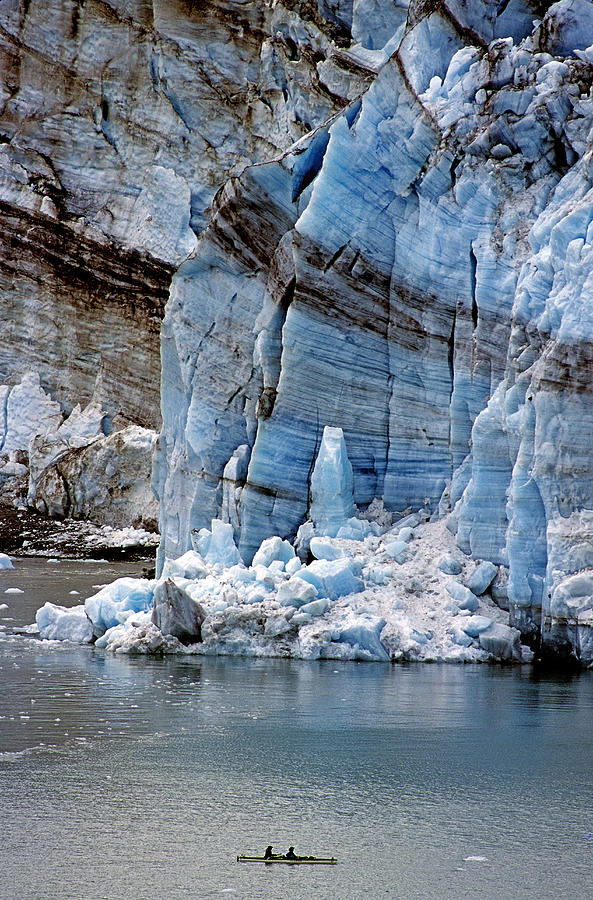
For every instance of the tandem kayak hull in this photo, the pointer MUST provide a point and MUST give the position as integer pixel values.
(304, 861)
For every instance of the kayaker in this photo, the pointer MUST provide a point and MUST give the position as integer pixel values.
(269, 853)
(290, 854)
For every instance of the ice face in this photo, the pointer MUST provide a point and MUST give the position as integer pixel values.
(414, 276)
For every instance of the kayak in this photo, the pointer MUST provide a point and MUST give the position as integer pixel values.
(299, 861)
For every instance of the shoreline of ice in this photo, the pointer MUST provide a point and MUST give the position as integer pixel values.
(351, 587)
(406, 611)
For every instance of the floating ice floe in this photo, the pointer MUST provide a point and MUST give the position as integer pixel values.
(352, 600)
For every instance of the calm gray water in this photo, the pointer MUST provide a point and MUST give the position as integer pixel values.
(137, 778)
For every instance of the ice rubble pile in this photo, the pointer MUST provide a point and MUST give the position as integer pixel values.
(356, 589)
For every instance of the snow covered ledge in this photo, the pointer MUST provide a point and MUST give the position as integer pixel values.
(363, 591)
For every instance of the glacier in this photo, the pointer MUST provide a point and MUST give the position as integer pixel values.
(349, 602)
(416, 272)
(370, 221)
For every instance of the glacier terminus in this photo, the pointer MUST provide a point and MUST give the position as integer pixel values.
(375, 437)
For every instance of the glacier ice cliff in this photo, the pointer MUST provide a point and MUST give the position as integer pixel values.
(357, 215)
(118, 123)
(416, 271)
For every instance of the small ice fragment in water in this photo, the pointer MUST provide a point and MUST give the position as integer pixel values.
(475, 859)
(13, 591)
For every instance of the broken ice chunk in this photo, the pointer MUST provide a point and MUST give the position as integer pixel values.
(397, 550)
(482, 577)
(273, 548)
(190, 565)
(501, 641)
(464, 598)
(449, 565)
(323, 548)
(334, 578)
(296, 592)
(217, 545)
(474, 625)
(59, 623)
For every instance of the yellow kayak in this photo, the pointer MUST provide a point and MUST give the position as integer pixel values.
(299, 861)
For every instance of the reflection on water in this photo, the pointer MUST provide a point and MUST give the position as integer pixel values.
(125, 777)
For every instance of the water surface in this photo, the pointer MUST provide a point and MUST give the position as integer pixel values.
(136, 778)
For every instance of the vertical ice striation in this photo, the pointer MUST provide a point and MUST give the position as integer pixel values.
(417, 273)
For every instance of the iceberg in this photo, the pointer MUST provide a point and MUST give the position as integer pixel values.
(59, 623)
(5, 561)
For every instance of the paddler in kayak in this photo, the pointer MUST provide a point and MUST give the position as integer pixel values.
(290, 854)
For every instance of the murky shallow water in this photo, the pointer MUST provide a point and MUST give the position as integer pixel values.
(138, 778)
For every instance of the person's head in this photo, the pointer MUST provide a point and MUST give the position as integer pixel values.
(291, 848)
